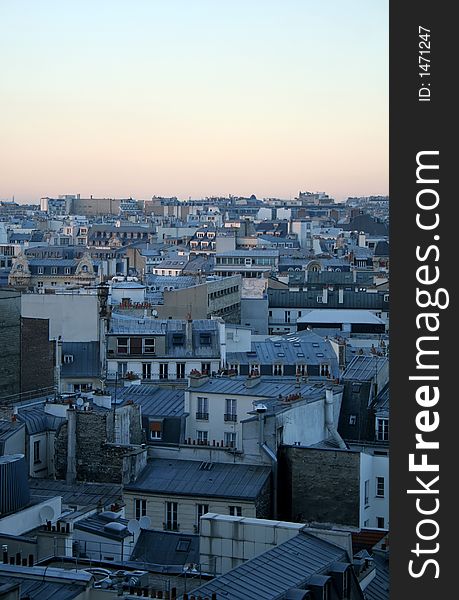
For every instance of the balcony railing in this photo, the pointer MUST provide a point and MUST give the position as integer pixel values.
(202, 416)
(230, 417)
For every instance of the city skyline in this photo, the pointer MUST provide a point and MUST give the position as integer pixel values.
(195, 99)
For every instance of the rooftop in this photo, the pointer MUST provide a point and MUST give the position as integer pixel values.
(190, 478)
(155, 400)
(364, 368)
(338, 315)
(270, 575)
(76, 494)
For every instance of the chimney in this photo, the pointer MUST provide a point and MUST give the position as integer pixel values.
(252, 381)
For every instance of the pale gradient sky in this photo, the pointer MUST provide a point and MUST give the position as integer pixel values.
(193, 97)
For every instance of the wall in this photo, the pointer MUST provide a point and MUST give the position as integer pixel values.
(371, 467)
(29, 518)
(254, 314)
(186, 510)
(37, 364)
(97, 547)
(10, 347)
(238, 339)
(320, 485)
(226, 542)
(74, 317)
(96, 458)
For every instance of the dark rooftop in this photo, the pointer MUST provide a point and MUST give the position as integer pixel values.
(166, 548)
(188, 478)
(270, 575)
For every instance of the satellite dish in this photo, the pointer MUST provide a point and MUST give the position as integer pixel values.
(145, 522)
(46, 513)
(133, 526)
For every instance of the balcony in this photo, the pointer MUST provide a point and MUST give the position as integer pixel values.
(202, 416)
(230, 417)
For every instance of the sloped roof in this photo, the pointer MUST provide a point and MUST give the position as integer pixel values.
(154, 400)
(188, 478)
(271, 574)
(166, 548)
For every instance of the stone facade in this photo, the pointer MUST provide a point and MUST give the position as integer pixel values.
(97, 457)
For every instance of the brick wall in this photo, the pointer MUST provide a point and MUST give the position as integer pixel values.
(319, 485)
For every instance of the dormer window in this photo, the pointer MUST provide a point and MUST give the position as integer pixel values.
(68, 359)
(205, 339)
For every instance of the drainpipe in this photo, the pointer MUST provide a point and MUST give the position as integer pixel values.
(261, 410)
(71, 446)
(329, 421)
(189, 335)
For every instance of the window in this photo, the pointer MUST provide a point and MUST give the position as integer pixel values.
(301, 370)
(149, 345)
(382, 430)
(123, 345)
(40, 270)
(352, 419)
(230, 439)
(178, 339)
(380, 522)
(180, 370)
(135, 345)
(163, 370)
(203, 409)
(205, 368)
(67, 270)
(278, 369)
(287, 316)
(156, 430)
(201, 509)
(203, 437)
(324, 370)
(36, 452)
(235, 511)
(122, 369)
(380, 487)
(230, 409)
(68, 358)
(366, 499)
(146, 370)
(53, 270)
(205, 339)
(140, 508)
(171, 516)
(234, 367)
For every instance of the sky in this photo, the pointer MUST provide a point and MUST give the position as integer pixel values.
(193, 98)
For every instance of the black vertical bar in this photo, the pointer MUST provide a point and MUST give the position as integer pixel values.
(422, 120)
